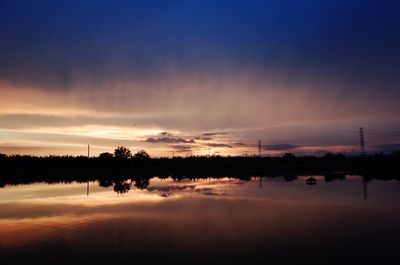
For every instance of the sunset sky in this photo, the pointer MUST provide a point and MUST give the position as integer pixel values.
(199, 77)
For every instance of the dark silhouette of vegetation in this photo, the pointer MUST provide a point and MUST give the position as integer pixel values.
(311, 181)
(122, 152)
(142, 182)
(288, 156)
(109, 169)
(106, 155)
(122, 186)
(105, 183)
(141, 155)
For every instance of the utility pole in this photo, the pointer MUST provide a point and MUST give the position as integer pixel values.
(365, 190)
(259, 148)
(362, 142)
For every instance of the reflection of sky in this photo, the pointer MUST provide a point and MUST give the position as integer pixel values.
(211, 214)
(342, 192)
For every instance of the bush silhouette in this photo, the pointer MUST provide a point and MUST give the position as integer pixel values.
(122, 152)
(141, 155)
(106, 155)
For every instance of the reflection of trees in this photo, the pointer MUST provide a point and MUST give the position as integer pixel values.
(334, 176)
(245, 178)
(141, 182)
(289, 178)
(311, 181)
(122, 187)
(105, 183)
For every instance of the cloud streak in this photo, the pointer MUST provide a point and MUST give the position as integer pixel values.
(219, 145)
(169, 140)
(279, 147)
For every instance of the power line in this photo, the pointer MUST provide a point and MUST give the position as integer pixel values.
(372, 132)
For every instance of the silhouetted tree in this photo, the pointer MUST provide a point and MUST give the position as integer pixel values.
(122, 152)
(106, 155)
(141, 155)
(396, 155)
(288, 156)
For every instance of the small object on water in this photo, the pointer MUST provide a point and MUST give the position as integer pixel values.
(311, 181)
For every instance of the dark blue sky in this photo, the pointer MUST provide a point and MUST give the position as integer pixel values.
(355, 41)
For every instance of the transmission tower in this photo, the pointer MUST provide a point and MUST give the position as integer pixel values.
(259, 148)
(362, 142)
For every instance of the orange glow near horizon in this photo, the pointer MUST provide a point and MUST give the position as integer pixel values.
(63, 122)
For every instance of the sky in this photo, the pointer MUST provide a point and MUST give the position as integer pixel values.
(199, 77)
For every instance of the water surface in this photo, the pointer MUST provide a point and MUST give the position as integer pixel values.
(214, 221)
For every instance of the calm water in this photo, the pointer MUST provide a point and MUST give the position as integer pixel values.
(214, 221)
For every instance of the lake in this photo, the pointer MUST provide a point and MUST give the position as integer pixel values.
(202, 221)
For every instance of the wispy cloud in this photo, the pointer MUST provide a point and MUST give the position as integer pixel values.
(182, 148)
(169, 140)
(239, 144)
(215, 133)
(166, 134)
(219, 145)
(387, 148)
(278, 147)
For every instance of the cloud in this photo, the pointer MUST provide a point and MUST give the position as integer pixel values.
(203, 138)
(166, 134)
(388, 148)
(169, 140)
(211, 135)
(219, 145)
(182, 148)
(239, 144)
(215, 134)
(278, 147)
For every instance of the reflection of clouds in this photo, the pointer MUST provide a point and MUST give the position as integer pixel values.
(171, 188)
(167, 191)
(216, 187)
(210, 192)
